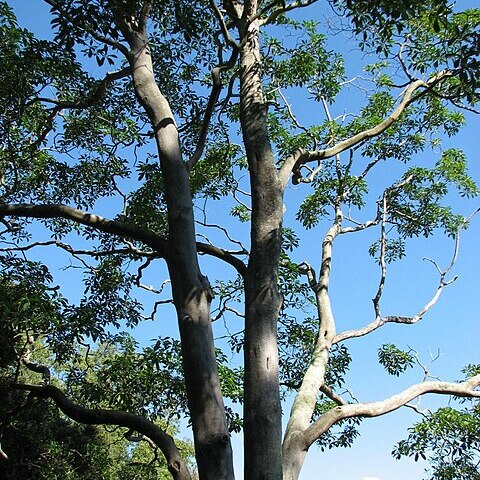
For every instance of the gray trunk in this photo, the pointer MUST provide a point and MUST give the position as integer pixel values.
(191, 291)
(294, 453)
(262, 409)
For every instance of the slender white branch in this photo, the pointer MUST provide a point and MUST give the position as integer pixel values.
(383, 263)
(314, 377)
(302, 156)
(379, 321)
(375, 409)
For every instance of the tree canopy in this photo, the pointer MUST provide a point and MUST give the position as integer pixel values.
(145, 144)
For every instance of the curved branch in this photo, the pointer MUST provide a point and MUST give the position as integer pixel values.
(302, 156)
(116, 227)
(88, 219)
(375, 409)
(90, 100)
(176, 465)
(217, 252)
(223, 26)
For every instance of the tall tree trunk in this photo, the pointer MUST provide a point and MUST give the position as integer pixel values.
(191, 292)
(262, 409)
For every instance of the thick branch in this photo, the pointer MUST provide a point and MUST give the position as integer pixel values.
(93, 98)
(304, 156)
(176, 465)
(375, 409)
(122, 229)
(36, 367)
(222, 255)
(88, 219)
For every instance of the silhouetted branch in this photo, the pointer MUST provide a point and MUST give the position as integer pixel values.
(176, 465)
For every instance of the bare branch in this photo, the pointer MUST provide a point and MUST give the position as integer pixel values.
(214, 251)
(467, 388)
(379, 321)
(35, 367)
(360, 226)
(155, 309)
(204, 223)
(383, 264)
(313, 380)
(332, 395)
(91, 253)
(286, 8)
(91, 99)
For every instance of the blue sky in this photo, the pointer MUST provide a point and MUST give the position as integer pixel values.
(451, 327)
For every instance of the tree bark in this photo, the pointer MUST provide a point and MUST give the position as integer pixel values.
(176, 465)
(294, 446)
(191, 291)
(262, 409)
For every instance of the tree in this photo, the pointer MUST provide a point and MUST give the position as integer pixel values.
(43, 444)
(72, 140)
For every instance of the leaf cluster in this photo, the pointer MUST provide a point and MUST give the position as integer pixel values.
(394, 360)
(449, 439)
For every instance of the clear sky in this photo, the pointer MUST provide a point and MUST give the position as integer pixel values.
(451, 327)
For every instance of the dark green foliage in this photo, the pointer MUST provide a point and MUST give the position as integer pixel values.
(379, 21)
(306, 63)
(394, 360)
(42, 445)
(122, 376)
(98, 158)
(343, 434)
(394, 250)
(213, 176)
(415, 208)
(449, 439)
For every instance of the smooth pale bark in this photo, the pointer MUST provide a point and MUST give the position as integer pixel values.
(262, 409)
(191, 291)
(294, 445)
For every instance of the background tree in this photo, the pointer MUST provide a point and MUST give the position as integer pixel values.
(41, 442)
(76, 137)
